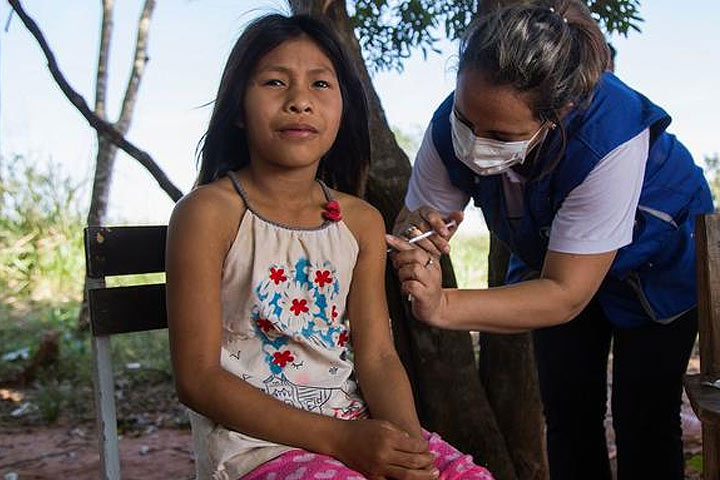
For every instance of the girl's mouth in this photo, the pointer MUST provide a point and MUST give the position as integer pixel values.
(299, 130)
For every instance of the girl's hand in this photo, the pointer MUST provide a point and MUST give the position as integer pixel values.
(421, 278)
(380, 450)
(412, 224)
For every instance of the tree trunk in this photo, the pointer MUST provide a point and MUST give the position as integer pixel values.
(110, 136)
(507, 369)
(449, 396)
(104, 162)
(107, 151)
(105, 156)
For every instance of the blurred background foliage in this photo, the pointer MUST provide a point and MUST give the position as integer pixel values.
(44, 360)
(390, 30)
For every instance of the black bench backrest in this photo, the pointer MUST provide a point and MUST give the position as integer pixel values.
(112, 251)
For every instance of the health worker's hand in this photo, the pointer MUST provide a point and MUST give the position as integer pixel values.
(411, 224)
(421, 278)
(381, 450)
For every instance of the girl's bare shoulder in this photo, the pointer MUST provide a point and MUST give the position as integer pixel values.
(213, 209)
(363, 220)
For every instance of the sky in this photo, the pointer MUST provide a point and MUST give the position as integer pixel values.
(675, 62)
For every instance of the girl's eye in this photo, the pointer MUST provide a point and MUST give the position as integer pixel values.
(321, 84)
(274, 82)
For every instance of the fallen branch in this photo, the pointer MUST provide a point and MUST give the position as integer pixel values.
(96, 122)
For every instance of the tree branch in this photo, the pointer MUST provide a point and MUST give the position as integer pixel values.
(310, 7)
(138, 67)
(97, 123)
(103, 54)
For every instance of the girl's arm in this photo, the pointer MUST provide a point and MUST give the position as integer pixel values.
(200, 233)
(566, 285)
(199, 236)
(383, 380)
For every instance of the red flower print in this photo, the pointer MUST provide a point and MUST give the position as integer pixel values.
(282, 358)
(299, 306)
(343, 338)
(332, 211)
(277, 275)
(322, 277)
(334, 312)
(264, 324)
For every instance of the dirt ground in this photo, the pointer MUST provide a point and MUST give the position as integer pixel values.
(71, 453)
(70, 450)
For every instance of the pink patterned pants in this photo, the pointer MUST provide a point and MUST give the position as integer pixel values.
(300, 464)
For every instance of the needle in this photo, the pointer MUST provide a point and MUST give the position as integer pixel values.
(425, 235)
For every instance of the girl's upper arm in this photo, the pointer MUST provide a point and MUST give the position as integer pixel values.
(199, 235)
(366, 304)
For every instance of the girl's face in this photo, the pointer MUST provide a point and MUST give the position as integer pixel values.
(293, 105)
(492, 111)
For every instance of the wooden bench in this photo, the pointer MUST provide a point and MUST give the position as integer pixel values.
(705, 400)
(111, 251)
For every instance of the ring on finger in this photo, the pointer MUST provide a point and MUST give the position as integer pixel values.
(429, 262)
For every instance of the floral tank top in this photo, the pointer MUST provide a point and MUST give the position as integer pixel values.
(284, 330)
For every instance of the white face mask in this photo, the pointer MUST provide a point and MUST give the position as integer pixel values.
(485, 156)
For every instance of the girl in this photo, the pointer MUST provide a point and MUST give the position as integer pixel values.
(265, 268)
(576, 174)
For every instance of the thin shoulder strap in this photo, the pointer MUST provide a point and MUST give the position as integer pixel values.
(326, 191)
(241, 191)
(238, 188)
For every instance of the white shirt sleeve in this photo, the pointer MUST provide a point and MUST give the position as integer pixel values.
(598, 215)
(430, 183)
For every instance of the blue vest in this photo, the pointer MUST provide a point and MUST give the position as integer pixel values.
(653, 278)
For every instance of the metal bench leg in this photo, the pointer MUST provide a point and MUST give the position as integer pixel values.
(105, 408)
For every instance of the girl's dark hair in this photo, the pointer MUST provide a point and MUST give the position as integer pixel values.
(552, 49)
(224, 146)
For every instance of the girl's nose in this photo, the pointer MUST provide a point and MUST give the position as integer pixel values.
(298, 103)
(300, 107)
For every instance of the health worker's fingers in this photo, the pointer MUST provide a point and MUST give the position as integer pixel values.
(438, 224)
(397, 243)
(411, 273)
(412, 225)
(434, 245)
(435, 220)
(457, 216)
(404, 256)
